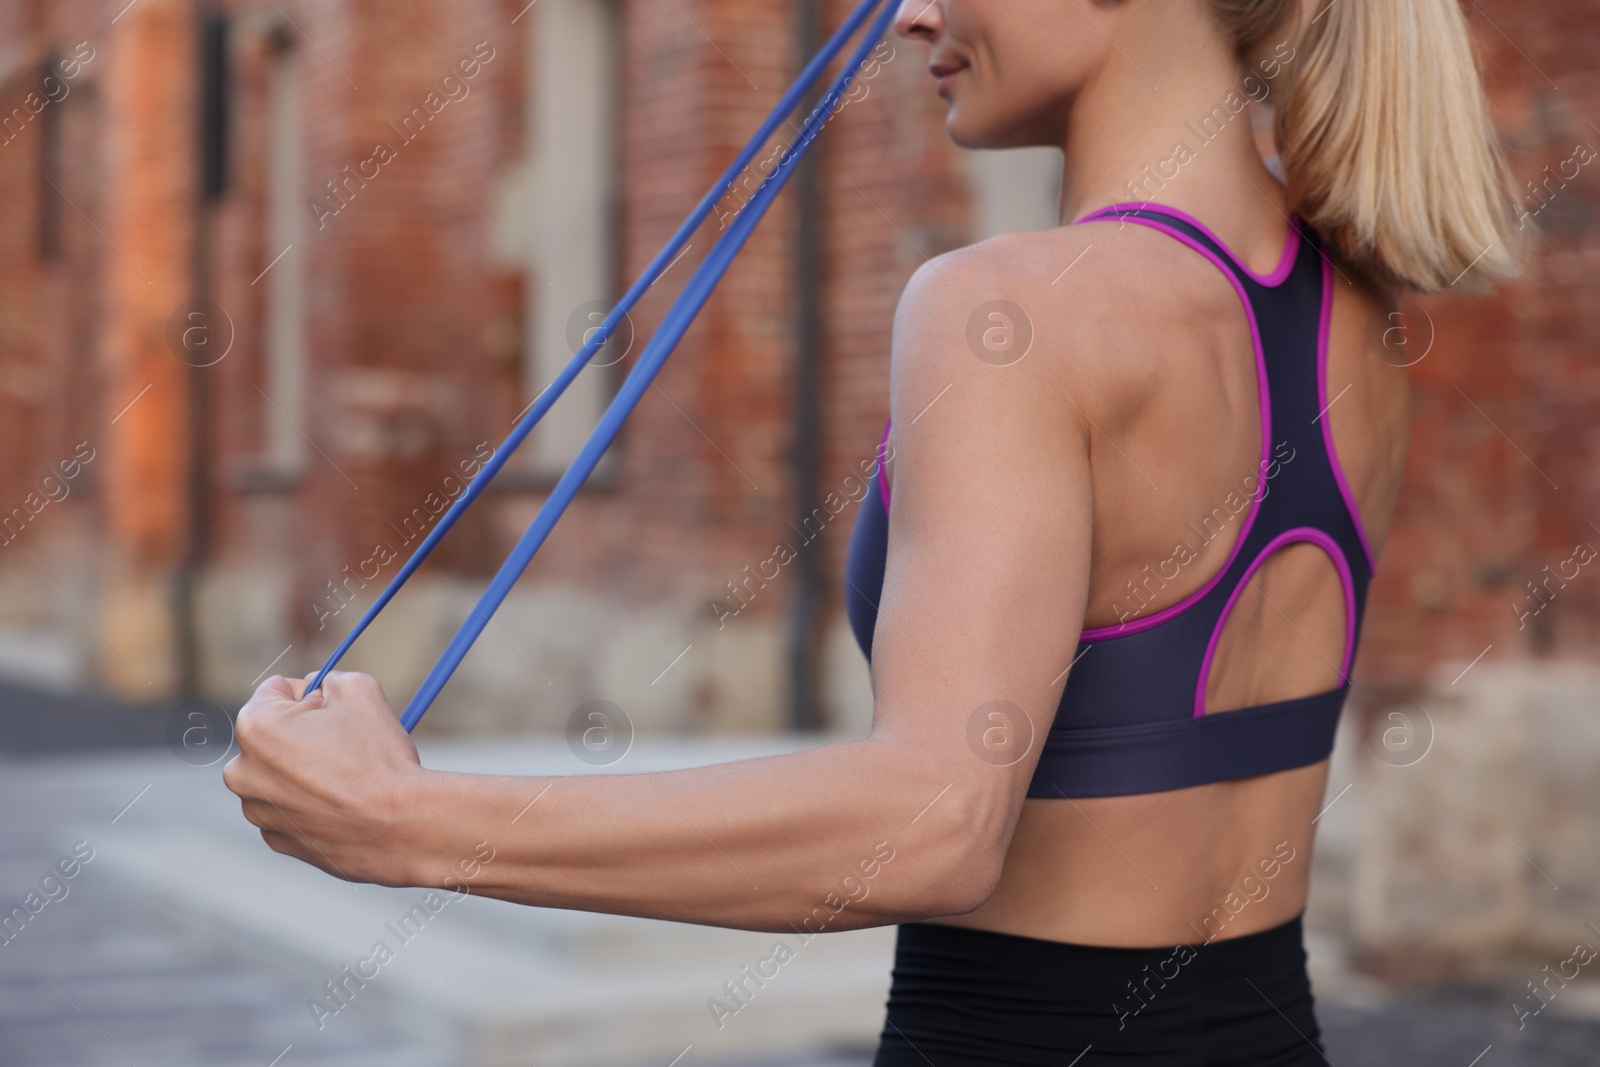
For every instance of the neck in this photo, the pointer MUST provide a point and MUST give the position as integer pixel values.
(1166, 120)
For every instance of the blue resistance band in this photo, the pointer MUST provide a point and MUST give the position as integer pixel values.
(673, 327)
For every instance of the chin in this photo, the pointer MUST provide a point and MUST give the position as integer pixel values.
(966, 131)
(960, 138)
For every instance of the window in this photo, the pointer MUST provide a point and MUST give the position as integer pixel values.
(569, 212)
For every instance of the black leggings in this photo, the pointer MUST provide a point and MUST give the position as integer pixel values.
(974, 998)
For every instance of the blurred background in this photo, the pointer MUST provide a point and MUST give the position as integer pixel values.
(276, 278)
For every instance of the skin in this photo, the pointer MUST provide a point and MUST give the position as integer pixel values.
(1025, 497)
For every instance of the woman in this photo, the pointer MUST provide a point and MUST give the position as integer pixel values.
(1142, 467)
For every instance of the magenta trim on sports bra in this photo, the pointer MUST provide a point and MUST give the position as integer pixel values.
(1263, 400)
(1286, 261)
(1297, 535)
(1324, 328)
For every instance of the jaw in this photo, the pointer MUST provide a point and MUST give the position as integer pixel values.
(970, 125)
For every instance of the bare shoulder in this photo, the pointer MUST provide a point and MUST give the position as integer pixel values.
(1070, 303)
(976, 392)
(974, 321)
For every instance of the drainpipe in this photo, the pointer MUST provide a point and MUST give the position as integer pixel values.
(211, 156)
(807, 608)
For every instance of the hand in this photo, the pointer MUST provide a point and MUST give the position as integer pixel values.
(328, 777)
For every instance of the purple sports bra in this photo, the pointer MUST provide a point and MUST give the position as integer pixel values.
(1132, 716)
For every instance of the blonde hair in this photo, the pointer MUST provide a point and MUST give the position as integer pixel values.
(1385, 139)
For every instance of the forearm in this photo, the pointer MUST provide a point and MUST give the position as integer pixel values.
(842, 836)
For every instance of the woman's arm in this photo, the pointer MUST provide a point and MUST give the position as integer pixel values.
(983, 600)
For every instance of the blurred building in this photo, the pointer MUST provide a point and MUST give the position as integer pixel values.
(275, 276)
(288, 273)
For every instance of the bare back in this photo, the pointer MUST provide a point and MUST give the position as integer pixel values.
(1172, 395)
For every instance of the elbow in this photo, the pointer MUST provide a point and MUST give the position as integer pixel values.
(952, 854)
(968, 876)
(961, 862)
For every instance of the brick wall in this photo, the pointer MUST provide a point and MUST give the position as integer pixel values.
(411, 297)
(1502, 478)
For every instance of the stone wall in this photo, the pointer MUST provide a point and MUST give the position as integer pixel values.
(1478, 820)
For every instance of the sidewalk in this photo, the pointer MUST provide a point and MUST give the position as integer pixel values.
(185, 941)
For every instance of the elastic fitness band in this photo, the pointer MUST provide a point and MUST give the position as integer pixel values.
(676, 322)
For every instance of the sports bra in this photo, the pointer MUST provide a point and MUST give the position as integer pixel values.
(1132, 716)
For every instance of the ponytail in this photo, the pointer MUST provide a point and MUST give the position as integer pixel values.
(1386, 143)
(1385, 140)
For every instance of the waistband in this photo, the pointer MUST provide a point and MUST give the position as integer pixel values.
(963, 997)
